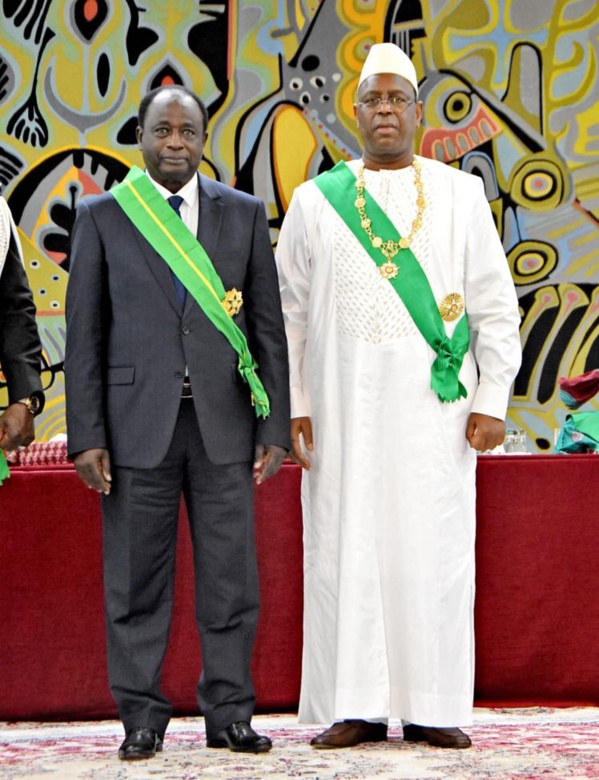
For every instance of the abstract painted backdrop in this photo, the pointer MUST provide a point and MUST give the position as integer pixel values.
(510, 93)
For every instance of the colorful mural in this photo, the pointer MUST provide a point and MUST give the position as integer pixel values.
(509, 90)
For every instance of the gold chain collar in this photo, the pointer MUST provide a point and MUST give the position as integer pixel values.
(389, 248)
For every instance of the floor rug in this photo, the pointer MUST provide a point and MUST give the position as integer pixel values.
(508, 744)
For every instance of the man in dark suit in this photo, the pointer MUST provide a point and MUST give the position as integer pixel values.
(157, 407)
(20, 348)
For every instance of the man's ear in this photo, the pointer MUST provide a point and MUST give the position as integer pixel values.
(418, 113)
(138, 134)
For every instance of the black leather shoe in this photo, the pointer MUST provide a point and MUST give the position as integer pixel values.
(241, 738)
(437, 737)
(140, 742)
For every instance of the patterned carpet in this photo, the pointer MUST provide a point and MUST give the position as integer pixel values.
(548, 744)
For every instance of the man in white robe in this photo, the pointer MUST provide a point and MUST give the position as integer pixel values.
(389, 451)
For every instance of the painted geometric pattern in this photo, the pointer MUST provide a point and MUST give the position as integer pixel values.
(509, 91)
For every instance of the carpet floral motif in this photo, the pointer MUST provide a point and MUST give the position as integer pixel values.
(543, 743)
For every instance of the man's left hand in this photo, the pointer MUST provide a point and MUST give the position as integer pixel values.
(16, 427)
(484, 432)
(267, 461)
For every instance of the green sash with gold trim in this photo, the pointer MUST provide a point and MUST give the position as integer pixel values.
(175, 243)
(411, 284)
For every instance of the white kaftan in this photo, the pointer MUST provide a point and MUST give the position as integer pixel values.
(389, 503)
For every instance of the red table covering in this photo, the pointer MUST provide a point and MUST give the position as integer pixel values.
(536, 617)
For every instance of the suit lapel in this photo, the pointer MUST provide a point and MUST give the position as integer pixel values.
(159, 269)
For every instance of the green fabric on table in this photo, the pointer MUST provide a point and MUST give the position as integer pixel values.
(579, 434)
(4, 472)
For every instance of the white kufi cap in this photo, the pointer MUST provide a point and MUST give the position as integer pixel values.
(389, 58)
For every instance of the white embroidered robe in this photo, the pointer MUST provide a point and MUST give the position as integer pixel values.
(389, 503)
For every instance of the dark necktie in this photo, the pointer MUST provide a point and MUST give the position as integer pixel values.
(175, 201)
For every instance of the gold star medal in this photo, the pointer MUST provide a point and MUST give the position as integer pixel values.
(232, 302)
(388, 270)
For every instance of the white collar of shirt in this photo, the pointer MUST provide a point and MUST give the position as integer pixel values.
(189, 208)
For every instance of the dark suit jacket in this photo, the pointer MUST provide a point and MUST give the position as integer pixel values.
(20, 348)
(128, 342)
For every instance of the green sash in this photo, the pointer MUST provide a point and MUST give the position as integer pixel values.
(411, 284)
(4, 472)
(167, 234)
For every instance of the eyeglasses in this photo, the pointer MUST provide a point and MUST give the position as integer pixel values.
(396, 102)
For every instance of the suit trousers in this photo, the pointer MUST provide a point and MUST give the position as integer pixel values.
(140, 518)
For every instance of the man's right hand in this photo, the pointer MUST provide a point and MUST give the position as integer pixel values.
(301, 428)
(93, 466)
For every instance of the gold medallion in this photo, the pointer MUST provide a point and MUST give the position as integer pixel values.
(390, 247)
(451, 307)
(388, 270)
(233, 301)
